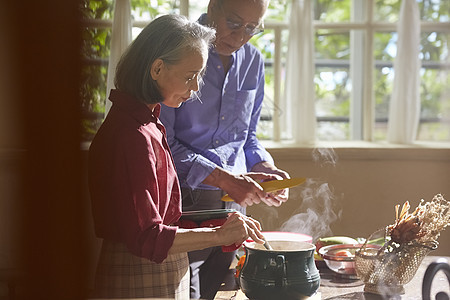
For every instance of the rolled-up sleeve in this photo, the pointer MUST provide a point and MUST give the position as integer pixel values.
(150, 194)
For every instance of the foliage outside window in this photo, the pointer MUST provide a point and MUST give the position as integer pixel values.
(333, 82)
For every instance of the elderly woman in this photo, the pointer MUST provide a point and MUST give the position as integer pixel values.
(133, 184)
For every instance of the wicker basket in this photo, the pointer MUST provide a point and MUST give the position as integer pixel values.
(385, 271)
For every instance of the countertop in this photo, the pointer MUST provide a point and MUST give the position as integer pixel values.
(334, 287)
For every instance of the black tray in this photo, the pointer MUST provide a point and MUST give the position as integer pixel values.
(203, 215)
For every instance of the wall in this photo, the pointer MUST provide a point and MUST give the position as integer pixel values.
(365, 184)
(41, 208)
(10, 163)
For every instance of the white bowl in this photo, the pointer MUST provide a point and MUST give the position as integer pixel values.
(286, 236)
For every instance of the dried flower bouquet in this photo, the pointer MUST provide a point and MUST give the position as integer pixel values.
(407, 242)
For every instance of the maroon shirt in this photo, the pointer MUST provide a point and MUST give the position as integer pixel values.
(133, 184)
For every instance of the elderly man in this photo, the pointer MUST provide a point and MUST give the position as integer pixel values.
(213, 140)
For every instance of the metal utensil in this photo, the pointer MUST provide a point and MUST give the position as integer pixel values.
(267, 245)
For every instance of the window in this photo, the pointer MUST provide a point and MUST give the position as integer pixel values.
(97, 17)
(96, 34)
(355, 47)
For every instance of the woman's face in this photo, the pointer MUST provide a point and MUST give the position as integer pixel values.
(233, 20)
(177, 82)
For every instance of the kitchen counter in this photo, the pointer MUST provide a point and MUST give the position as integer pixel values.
(334, 287)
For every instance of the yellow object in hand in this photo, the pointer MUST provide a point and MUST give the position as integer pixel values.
(274, 185)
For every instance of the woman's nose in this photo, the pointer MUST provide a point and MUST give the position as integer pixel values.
(194, 85)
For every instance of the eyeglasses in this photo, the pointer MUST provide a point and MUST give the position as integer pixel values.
(249, 30)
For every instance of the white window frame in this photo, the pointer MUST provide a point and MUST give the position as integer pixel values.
(362, 29)
(362, 64)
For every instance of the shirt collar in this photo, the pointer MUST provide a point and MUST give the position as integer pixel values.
(137, 109)
(203, 19)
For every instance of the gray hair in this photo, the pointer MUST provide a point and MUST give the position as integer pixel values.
(168, 38)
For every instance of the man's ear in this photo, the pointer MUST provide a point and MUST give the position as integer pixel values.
(156, 68)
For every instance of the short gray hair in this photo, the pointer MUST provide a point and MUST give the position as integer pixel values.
(168, 38)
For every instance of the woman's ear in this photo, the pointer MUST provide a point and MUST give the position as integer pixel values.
(156, 68)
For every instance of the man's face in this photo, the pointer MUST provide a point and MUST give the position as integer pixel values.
(235, 21)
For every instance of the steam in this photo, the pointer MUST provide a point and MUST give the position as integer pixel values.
(319, 206)
(316, 212)
(270, 214)
(324, 156)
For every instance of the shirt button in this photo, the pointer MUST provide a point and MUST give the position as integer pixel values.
(218, 67)
(222, 117)
(217, 142)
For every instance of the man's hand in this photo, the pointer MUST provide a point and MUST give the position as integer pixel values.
(245, 190)
(280, 196)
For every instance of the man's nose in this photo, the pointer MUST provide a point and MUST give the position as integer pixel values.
(240, 34)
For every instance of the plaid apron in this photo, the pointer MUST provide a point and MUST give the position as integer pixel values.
(121, 274)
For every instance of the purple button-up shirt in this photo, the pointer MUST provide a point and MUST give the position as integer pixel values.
(220, 129)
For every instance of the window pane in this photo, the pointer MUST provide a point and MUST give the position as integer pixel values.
(384, 79)
(197, 8)
(332, 10)
(332, 102)
(430, 10)
(145, 10)
(435, 87)
(277, 11)
(95, 51)
(435, 47)
(266, 44)
(435, 10)
(93, 95)
(435, 105)
(384, 51)
(332, 84)
(387, 10)
(332, 45)
(333, 131)
(97, 9)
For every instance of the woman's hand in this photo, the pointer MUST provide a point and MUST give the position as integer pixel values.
(238, 228)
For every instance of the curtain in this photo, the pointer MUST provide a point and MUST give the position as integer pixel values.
(404, 107)
(299, 90)
(120, 39)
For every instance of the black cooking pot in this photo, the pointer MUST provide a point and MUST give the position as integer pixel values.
(287, 272)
